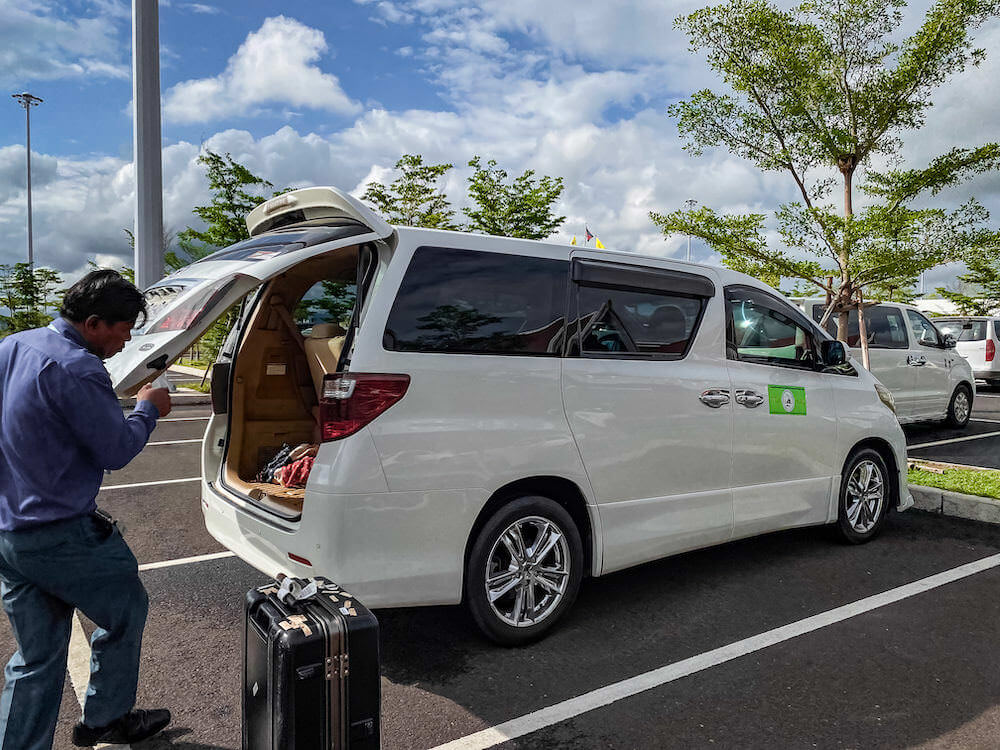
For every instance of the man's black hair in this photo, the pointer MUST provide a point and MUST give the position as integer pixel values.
(106, 294)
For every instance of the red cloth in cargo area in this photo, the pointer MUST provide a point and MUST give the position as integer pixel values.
(296, 473)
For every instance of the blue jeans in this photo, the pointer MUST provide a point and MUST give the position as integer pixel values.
(46, 572)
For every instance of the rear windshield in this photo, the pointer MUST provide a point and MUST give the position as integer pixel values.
(471, 302)
(964, 330)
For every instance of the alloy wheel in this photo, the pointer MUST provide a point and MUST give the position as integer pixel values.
(527, 571)
(961, 408)
(865, 496)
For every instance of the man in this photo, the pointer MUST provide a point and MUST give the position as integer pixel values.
(61, 426)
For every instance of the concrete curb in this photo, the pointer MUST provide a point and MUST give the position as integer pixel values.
(955, 504)
(194, 371)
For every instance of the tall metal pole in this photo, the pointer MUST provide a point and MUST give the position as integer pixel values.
(689, 204)
(28, 101)
(147, 142)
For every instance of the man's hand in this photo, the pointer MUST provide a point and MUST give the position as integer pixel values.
(159, 396)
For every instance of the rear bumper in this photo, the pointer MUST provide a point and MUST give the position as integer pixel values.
(987, 374)
(380, 546)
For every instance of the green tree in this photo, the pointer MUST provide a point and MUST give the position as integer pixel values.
(816, 92)
(413, 199)
(982, 276)
(518, 208)
(236, 191)
(28, 295)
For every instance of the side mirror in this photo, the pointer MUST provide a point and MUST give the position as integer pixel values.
(833, 353)
(950, 342)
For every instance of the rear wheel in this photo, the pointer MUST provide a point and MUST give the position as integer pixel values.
(864, 496)
(524, 570)
(960, 407)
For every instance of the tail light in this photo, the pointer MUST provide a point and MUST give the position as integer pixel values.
(991, 350)
(353, 399)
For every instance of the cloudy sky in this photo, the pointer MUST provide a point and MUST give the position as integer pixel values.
(333, 93)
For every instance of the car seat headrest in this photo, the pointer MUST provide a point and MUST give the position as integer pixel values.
(326, 331)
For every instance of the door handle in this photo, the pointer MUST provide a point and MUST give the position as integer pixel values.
(715, 397)
(916, 361)
(748, 398)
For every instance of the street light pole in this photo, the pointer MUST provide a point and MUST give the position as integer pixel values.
(28, 101)
(689, 204)
(147, 144)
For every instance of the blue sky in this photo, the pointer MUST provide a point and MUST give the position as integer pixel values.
(333, 93)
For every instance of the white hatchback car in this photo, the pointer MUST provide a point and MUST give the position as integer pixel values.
(913, 359)
(977, 339)
(499, 418)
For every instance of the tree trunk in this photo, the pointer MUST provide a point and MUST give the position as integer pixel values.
(847, 163)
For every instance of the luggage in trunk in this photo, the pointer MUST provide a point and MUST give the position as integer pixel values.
(310, 669)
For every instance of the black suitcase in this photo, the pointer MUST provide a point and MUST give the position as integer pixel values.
(310, 669)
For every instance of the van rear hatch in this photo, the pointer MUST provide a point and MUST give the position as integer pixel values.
(973, 340)
(183, 305)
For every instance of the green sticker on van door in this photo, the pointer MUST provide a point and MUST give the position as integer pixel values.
(786, 399)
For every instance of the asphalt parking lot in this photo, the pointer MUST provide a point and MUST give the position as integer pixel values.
(667, 655)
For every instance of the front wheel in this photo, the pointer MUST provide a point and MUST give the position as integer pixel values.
(524, 570)
(864, 496)
(960, 407)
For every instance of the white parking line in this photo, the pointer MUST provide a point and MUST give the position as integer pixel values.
(174, 442)
(149, 484)
(183, 419)
(953, 440)
(617, 691)
(186, 560)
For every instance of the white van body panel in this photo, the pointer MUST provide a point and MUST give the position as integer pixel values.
(389, 510)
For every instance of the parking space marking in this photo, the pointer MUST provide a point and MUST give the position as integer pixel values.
(174, 442)
(183, 419)
(78, 663)
(149, 484)
(186, 560)
(953, 440)
(78, 666)
(617, 691)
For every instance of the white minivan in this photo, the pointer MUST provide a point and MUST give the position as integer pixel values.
(499, 418)
(929, 380)
(977, 340)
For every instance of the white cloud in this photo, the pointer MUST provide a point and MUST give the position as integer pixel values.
(37, 43)
(209, 10)
(275, 65)
(13, 171)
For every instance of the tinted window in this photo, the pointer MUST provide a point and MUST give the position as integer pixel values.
(619, 321)
(479, 303)
(923, 330)
(964, 330)
(763, 329)
(330, 301)
(885, 327)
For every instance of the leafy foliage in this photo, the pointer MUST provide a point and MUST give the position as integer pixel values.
(235, 192)
(983, 276)
(413, 199)
(815, 92)
(28, 295)
(518, 208)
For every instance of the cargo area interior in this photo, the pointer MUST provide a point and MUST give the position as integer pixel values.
(294, 336)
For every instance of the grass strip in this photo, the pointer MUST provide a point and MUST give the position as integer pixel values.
(979, 482)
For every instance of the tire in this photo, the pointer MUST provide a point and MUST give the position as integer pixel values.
(503, 550)
(960, 407)
(862, 511)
